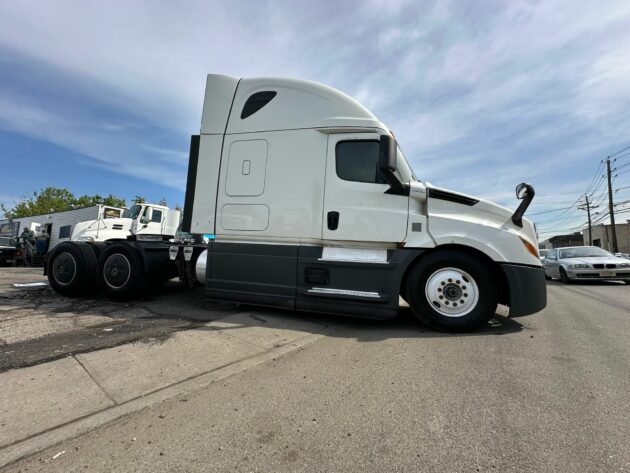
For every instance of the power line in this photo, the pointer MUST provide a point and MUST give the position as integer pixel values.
(549, 211)
(596, 190)
(618, 152)
(600, 182)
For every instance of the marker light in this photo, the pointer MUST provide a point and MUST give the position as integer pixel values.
(531, 248)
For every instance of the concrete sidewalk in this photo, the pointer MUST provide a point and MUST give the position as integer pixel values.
(45, 404)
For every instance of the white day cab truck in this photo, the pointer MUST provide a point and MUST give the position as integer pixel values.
(313, 207)
(142, 221)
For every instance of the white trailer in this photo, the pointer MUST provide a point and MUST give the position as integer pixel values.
(313, 207)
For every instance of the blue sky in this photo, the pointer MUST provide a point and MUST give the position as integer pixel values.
(102, 97)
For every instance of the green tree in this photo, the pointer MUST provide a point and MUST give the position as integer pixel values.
(88, 200)
(56, 199)
(139, 199)
(163, 202)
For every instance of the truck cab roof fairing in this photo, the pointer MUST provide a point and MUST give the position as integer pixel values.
(297, 104)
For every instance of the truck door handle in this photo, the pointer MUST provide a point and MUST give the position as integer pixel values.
(333, 220)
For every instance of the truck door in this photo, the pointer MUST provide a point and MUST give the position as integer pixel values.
(356, 205)
(150, 221)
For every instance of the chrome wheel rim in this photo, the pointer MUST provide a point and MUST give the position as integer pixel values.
(452, 292)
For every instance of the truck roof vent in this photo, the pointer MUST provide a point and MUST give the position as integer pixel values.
(255, 102)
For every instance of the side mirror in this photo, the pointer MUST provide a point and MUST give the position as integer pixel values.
(524, 192)
(387, 165)
(148, 215)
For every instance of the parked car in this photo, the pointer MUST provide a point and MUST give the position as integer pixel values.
(584, 263)
(543, 253)
(7, 251)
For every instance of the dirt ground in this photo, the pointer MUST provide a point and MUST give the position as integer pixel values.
(38, 325)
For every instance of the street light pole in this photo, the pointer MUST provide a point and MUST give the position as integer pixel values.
(587, 206)
(611, 209)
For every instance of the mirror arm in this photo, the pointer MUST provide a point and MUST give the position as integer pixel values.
(387, 165)
(517, 217)
(397, 187)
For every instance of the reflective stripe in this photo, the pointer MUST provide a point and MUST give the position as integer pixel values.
(356, 255)
(344, 292)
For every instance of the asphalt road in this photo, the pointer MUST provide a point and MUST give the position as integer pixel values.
(549, 392)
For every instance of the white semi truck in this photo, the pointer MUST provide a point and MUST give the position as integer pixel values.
(314, 207)
(143, 221)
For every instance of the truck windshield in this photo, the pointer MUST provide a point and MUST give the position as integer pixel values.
(583, 252)
(132, 212)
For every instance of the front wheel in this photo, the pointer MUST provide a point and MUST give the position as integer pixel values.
(452, 291)
(564, 277)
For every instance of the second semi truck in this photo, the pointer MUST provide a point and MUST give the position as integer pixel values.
(314, 207)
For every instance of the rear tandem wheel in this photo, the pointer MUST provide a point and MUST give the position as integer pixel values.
(71, 268)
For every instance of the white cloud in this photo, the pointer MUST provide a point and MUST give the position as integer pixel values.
(501, 91)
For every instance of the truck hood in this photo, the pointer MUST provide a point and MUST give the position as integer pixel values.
(101, 229)
(481, 211)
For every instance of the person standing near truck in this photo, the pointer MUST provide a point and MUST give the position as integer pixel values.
(41, 244)
(28, 245)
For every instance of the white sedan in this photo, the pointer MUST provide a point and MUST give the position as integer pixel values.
(585, 263)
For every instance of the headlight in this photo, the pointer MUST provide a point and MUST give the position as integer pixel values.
(84, 238)
(623, 265)
(579, 266)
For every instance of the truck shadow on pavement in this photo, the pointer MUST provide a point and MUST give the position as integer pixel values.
(41, 326)
(405, 325)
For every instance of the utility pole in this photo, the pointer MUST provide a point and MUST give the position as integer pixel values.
(587, 207)
(611, 209)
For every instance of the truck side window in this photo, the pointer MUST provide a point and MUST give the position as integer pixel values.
(157, 216)
(358, 161)
(65, 231)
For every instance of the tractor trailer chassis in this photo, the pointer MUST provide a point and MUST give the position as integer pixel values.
(121, 269)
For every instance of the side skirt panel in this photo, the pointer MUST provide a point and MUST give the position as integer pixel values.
(353, 288)
(252, 273)
(296, 277)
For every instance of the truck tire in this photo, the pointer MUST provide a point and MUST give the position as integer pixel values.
(121, 272)
(71, 267)
(452, 291)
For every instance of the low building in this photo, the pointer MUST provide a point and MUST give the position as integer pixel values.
(560, 241)
(58, 225)
(602, 236)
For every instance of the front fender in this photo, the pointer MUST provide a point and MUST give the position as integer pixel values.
(501, 244)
